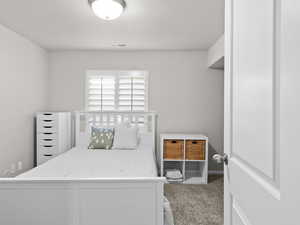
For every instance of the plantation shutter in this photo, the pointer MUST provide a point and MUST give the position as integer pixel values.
(117, 91)
(101, 93)
(132, 93)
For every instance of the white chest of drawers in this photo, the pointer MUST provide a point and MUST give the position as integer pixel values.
(53, 135)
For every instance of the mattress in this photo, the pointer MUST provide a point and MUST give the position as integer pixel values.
(86, 163)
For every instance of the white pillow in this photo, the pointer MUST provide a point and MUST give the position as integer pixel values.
(125, 137)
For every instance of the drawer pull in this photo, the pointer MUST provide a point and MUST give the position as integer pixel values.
(48, 146)
(48, 139)
(48, 155)
(48, 133)
(48, 114)
(194, 142)
(47, 126)
(173, 142)
(47, 120)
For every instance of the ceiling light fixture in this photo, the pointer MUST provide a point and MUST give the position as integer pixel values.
(107, 9)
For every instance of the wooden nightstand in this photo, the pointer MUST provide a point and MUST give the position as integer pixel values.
(187, 153)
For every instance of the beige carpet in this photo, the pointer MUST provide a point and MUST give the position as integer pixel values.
(197, 204)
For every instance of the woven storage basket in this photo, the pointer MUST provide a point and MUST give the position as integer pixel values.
(195, 149)
(173, 149)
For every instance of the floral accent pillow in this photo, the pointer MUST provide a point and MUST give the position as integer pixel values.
(101, 138)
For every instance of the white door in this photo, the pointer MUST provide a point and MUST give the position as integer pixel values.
(262, 112)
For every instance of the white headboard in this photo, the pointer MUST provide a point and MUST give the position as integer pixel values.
(145, 121)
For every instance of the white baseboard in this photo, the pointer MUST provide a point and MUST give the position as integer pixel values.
(215, 172)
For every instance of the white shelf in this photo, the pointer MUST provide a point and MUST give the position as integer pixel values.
(185, 136)
(180, 160)
(193, 171)
(173, 160)
(189, 160)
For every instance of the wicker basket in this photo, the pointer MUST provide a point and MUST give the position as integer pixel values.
(195, 149)
(173, 149)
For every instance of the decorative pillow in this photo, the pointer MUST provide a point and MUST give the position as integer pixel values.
(101, 138)
(125, 137)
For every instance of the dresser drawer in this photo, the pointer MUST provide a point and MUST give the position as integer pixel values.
(44, 158)
(47, 141)
(47, 149)
(47, 128)
(52, 123)
(49, 135)
(47, 116)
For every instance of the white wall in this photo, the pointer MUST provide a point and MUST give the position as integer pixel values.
(186, 94)
(24, 75)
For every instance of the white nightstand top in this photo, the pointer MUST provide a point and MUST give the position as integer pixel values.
(183, 136)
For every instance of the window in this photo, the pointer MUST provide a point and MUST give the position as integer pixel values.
(116, 91)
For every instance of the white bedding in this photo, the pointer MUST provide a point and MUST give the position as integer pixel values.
(86, 163)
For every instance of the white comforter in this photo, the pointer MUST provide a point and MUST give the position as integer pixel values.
(86, 163)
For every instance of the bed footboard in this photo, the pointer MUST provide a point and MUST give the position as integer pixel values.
(82, 201)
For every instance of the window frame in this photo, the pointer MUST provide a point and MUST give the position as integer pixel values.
(117, 74)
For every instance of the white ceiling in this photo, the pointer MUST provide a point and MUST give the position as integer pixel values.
(145, 24)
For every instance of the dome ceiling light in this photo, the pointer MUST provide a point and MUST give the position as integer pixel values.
(107, 9)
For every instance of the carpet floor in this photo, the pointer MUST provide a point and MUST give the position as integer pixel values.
(197, 204)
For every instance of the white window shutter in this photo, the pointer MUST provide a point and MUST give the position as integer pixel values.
(101, 93)
(132, 93)
(119, 91)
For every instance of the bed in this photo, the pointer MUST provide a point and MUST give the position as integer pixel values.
(82, 163)
(84, 187)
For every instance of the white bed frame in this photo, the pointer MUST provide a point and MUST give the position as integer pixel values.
(107, 201)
